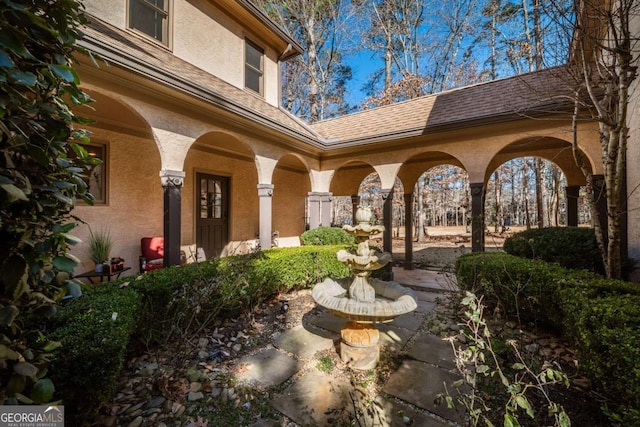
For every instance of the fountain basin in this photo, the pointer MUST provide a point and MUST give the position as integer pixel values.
(391, 300)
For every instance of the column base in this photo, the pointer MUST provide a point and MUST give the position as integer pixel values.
(360, 358)
(360, 348)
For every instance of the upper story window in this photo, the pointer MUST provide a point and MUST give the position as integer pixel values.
(150, 17)
(253, 67)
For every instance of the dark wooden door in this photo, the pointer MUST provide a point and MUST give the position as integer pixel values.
(212, 223)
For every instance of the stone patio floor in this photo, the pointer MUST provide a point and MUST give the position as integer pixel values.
(314, 398)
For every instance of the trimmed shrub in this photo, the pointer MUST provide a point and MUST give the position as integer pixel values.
(606, 333)
(165, 303)
(570, 247)
(154, 308)
(600, 317)
(327, 236)
(301, 267)
(94, 331)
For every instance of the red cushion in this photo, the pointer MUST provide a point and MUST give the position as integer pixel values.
(152, 247)
(152, 250)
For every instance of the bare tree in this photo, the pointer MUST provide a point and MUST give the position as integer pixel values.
(605, 65)
(314, 84)
(394, 29)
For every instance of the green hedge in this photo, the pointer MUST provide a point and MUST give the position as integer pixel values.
(302, 267)
(570, 247)
(326, 236)
(153, 307)
(94, 331)
(164, 299)
(600, 317)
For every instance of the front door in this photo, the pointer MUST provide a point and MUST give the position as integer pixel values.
(212, 224)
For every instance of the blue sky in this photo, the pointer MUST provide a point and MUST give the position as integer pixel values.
(362, 66)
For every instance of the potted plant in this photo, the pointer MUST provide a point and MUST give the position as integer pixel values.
(100, 244)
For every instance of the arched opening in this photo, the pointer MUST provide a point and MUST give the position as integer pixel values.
(345, 186)
(291, 186)
(526, 192)
(127, 188)
(441, 203)
(220, 211)
(370, 194)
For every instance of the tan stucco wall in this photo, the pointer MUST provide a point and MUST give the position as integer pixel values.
(244, 208)
(205, 36)
(135, 199)
(113, 12)
(208, 38)
(289, 194)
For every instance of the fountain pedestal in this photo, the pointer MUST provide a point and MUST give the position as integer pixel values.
(360, 345)
(363, 301)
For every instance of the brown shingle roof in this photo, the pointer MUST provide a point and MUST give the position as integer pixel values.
(501, 100)
(131, 52)
(506, 99)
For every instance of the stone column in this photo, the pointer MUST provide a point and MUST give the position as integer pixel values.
(477, 216)
(408, 231)
(325, 209)
(573, 192)
(172, 182)
(355, 202)
(387, 214)
(265, 193)
(314, 210)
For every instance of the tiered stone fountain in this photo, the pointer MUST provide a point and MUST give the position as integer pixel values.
(363, 301)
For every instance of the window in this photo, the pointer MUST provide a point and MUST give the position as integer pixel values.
(150, 17)
(96, 175)
(253, 67)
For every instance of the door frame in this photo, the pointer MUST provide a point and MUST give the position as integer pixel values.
(198, 173)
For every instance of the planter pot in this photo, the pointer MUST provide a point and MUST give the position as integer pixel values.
(99, 268)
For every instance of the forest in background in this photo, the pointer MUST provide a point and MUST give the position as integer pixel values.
(419, 47)
(411, 47)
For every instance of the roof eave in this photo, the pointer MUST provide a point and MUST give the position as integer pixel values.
(132, 64)
(539, 111)
(294, 49)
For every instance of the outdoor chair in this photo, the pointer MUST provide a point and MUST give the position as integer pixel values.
(152, 257)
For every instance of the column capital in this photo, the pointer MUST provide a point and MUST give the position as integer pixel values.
(172, 178)
(476, 188)
(265, 190)
(386, 192)
(319, 194)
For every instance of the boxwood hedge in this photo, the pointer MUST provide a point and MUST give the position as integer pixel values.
(327, 236)
(570, 247)
(99, 328)
(600, 317)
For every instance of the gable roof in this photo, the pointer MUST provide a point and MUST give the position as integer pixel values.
(532, 94)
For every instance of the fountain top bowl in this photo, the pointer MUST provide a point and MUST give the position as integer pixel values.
(391, 300)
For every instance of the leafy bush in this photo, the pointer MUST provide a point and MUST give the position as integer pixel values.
(41, 171)
(161, 305)
(570, 247)
(600, 317)
(171, 297)
(301, 267)
(327, 236)
(94, 331)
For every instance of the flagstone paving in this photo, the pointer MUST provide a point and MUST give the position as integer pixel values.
(315, 398)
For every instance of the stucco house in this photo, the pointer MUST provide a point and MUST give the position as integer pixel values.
(197, 149)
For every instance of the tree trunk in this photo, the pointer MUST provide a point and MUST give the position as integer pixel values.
(538, 172)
